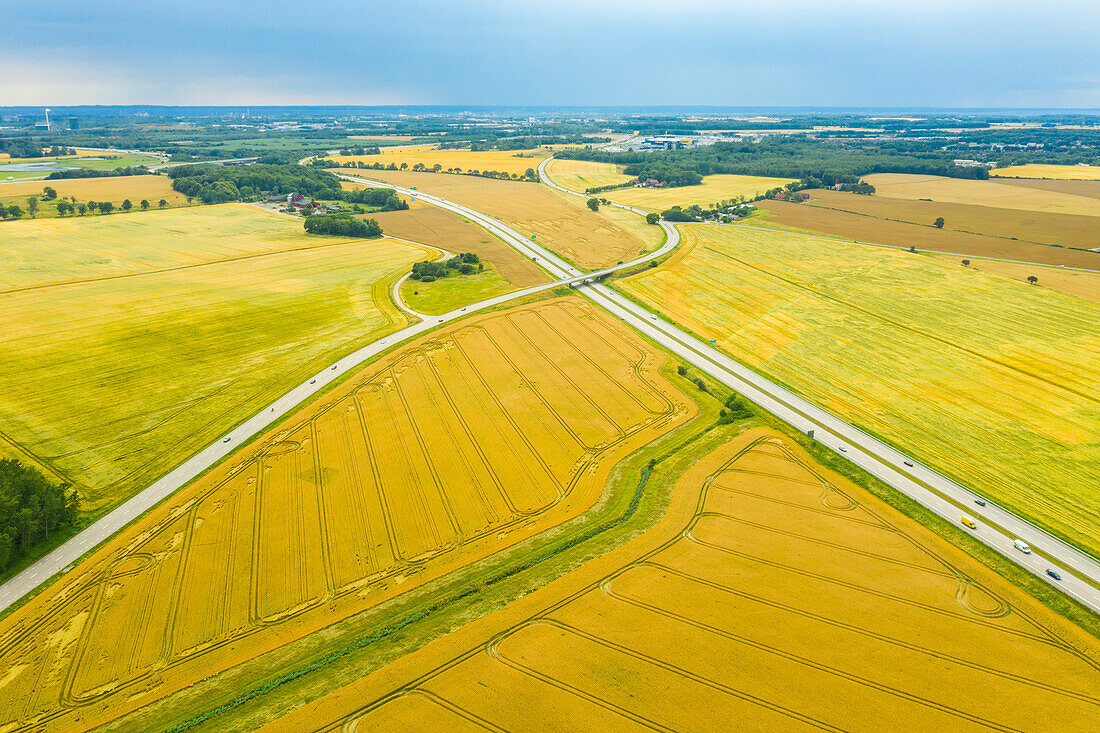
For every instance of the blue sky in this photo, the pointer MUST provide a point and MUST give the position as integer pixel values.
(958, 53)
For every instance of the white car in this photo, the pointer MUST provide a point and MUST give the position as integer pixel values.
(1021, 546)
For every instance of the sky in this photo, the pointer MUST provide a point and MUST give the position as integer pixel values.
(822, 53)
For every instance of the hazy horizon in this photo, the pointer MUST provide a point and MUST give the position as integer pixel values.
(965, 54)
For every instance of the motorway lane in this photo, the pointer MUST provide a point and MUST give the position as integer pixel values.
(72, 550)
(997, 526)
(877, 458)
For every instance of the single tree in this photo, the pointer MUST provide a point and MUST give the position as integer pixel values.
(162, 203)
(938, 223)
(64, 207)
(32, 206)
(189, 200)
(966, 263)
(126, 205)
(106, 207)
(912, 249)
(93, 206)
(652, 217)
(49, 193)
(82, 208)
(1032, 279)
(144, 205)
(594, 204)
(15, 211)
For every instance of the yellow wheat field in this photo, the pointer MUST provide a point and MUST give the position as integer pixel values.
(1058, 172)
(508, 161)
(936, 358)
(1000, 194)
(114, 189)
(579, 175)
(452, 448)
(775, 595)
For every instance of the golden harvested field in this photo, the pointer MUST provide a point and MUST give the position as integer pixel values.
(441, 228)
(846, 224)
(165, 333)
(454, 447)
(1074, 282)
(578, 175)
(775, 595)
(1070, 230)
(1061, 172)
(1000, 194)
(712, 190)
(560, 222)
(508, 161)
(1090, 189)
(990, 381)
(114, 189)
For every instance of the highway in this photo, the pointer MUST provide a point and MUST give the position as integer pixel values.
(997, 527)
(68, 553)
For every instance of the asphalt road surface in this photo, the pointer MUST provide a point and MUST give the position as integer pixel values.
(997, 527)
(72, 550)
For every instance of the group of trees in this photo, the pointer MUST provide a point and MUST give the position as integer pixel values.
(132, 170)
(31, 507)
(343, 225)
(360, 150)
(380, 199)
(861, 187)
(466, 263)
(29, 147)
(218, 184)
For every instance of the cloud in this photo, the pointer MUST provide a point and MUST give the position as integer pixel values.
(551, 52)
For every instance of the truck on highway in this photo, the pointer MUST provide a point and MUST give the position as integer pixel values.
(968, 522)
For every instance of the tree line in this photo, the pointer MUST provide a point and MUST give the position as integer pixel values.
(788, 157)
(31, 508)
(131, 170)
(380, 199)
(343, 225)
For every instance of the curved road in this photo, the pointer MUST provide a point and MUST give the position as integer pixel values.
(68, 553)
(997, 527)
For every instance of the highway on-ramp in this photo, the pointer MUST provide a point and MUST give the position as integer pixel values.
(997, 527)
(68, 553)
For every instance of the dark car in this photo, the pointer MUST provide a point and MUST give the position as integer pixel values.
(1053, 574)
(908, 463)
(979, 502)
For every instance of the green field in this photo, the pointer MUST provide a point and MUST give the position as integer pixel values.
(108, 161)
(991, 381)
(453, 292)
(132, 341)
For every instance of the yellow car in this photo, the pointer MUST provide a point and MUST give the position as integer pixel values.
(969, 522)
